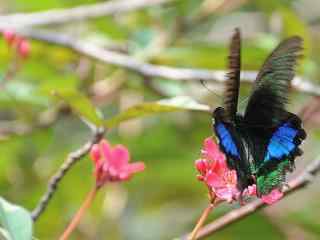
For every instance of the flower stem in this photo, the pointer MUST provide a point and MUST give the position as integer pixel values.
(76, 219)
(202, 219)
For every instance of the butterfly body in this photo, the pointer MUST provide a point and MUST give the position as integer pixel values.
(262, 143)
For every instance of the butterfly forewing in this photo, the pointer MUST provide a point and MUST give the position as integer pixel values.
(266, 106)
(230, 138)
(232, 84)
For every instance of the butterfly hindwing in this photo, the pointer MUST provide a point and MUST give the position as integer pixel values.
(281, 150)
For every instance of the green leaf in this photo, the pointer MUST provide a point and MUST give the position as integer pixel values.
(293, 25)
(16, 221)
(81, 105)
(4, 234)
(23, 93)
(166, 105)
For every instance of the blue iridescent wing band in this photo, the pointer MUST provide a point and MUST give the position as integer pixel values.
(282, 149)
(281, 143)
(231, 144)
(226, 140)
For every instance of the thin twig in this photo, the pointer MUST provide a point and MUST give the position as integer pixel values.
(72, 158)
(151, 70)
(295, 184)
(76, 219)
(201, 221)
(59, 16)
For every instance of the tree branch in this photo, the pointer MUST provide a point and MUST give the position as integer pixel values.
(295, 184)
(59, 16)
(151, 70)
(72, 158)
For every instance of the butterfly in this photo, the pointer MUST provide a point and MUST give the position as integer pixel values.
(262, 143)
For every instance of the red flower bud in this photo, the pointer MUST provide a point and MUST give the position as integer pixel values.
(23, 48)
(9, 36)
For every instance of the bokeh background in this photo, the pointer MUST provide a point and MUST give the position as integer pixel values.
(164, 201)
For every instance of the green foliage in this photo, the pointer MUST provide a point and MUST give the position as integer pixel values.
(16, 221)
(81, 105)
(162, 106)
(166, 194)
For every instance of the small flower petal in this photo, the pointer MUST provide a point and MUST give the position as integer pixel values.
(215, 173)
(214, 180)
(23, 48)
(136, 167)
(201, 166)
(274, 196)
(106, 150)
(227, 193)
(120, 157)
(9, 36)
(212, 150)
(95, 153)
(250, 191)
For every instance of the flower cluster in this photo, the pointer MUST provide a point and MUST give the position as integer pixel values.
(222, 181)
(14, 41)
(112, 163)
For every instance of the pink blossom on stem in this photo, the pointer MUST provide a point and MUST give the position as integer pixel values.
(250, 191)
(23, 48)
(224, 185)
(215, 173)
(20, 44)
(274, 196)
(112, 163)
(9, 36)
(221, 180)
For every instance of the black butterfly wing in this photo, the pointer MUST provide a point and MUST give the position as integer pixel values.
(275, 134)
(266, 106)
(232, 144)
(232, 84)
(230, 139)
(281, 150)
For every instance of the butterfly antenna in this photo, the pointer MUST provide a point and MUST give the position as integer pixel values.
(204, 84)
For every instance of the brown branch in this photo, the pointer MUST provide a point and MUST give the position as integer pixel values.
(59, 16)
(295, 184)
(72, 158)
(151, 70)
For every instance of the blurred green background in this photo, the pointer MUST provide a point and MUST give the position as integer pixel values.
(164, 202)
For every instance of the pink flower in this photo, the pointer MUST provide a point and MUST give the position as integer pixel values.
(112, 163)
(23, 48)
(9, 36)
(274, 196)
(250, 191)
(222, 181)
(224, 185)
(20, 44)
(215, 173)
